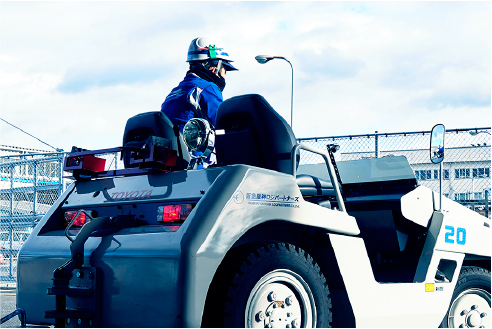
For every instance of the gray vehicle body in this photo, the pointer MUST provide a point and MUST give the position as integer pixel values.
(151, 276)
(163, 276)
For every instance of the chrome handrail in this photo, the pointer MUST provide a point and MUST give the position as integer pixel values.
(331, 170)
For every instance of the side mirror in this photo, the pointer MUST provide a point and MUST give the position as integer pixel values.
(437, 143)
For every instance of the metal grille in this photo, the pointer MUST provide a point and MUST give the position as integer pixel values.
(29, 185)
(466, 167)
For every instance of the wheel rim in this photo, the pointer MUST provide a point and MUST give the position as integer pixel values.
(471, 309)
(280, 299)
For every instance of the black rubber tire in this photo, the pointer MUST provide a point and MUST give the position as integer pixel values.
(245, 266)
(471, 277)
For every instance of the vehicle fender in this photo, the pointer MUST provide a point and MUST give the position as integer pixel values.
(241, 198)
(464, 231)
(392, 305)
(418, 206)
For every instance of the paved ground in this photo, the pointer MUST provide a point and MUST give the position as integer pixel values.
(7, 305)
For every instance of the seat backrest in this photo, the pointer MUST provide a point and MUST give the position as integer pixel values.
(255, 134)
(141, 126)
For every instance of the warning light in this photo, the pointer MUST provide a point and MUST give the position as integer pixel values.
(173, 213)
(80, 221)
(429, 287)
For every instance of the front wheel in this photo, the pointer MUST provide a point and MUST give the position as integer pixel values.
(274, 285)
(470, 305)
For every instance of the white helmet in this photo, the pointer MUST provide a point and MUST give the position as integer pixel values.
(209, 47)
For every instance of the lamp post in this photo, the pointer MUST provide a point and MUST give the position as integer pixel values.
(262, 59)
(476, 132)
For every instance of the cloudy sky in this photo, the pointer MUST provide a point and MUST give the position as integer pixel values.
(72, 73)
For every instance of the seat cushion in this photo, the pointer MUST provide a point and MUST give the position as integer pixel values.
(311, 186)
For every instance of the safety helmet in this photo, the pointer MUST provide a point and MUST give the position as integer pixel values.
(209, 47)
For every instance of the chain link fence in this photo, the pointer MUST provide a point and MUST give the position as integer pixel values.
(466, 166)
(31, 183)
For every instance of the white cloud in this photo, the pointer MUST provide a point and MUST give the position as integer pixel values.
(73, 72)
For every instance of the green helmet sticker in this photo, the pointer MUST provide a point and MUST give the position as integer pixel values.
(213, 51)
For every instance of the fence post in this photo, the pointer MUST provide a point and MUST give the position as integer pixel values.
(35, 187)
(376, 146)
(11, 212)
(487, 203)
(60, 174)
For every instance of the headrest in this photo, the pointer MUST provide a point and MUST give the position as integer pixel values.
(273, 136)
(141, 126)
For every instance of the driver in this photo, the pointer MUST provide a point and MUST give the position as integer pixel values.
(200, 93)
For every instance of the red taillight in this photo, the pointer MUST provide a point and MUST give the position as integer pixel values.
(171, 213)
(79, 221)
(174, 213)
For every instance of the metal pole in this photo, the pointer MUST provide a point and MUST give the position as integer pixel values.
(35, 182)
(292, 98)
(376, 146)
(12, 168)
(262, 59)
(291, 92)
(60, 174)
(440, 186)
(487, 203)
(11, 213)
(62, 158)
(11, 244)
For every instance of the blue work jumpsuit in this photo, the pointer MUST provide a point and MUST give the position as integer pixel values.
(194, 97)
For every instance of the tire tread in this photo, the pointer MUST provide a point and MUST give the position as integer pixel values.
(470, 276)
(233, 270)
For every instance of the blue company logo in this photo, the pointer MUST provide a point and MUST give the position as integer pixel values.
(272, 200)
(272, 197)
(238, 197)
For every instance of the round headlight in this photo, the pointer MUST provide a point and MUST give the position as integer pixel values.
(198, 135)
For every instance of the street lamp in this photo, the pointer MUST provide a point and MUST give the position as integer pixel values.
(262, 59)
(476, 132)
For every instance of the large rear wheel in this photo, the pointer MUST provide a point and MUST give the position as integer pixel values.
(470, 305)
(276, 285)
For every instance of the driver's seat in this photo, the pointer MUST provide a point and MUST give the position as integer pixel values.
(144, 125)
(255, 134)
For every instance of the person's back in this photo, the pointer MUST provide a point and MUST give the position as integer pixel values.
(200, 93)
